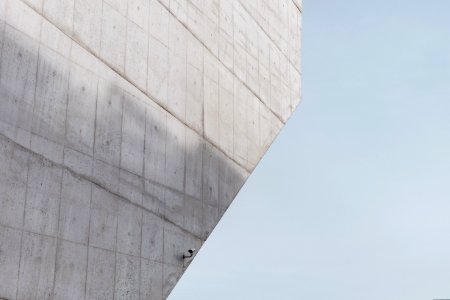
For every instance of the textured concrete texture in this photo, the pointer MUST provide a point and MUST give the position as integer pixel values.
(127, 127)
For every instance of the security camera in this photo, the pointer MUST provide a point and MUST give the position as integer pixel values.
(190, 253)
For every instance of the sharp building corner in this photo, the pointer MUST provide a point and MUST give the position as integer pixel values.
(127, 127)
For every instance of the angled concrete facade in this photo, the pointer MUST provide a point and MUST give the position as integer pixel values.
(127, 127)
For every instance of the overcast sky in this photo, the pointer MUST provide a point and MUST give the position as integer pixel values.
(353, 199)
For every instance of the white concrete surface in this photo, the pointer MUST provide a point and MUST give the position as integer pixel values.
(126, 130)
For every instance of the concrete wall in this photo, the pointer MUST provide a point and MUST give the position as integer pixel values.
(126, 130)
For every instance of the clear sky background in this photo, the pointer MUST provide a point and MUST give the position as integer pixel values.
(353, 199)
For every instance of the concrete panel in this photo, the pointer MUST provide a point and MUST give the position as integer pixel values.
(55, 39)
(37, 267)
(177, 68)
(210, 175)
(226, 17)
(13, 181)
(137, 52)
(87, 23)
(193, 217)
(127, 277)
(84, 58)
(43, 194)
(118, 5)
(19, 59)
(194, 161)
(9, 260)
(100, 274)
(240, 39)
(173, 245)
(295, 80)
(275, 95)
(252, 76)
(158, 71)
(159, 22)
(81, 108)
(155, 144)
(129, 226)
(152, 237)
(179, 9)
(240, 120)
(240, 61)
(131, 187)
(196, 20)
(177, 37)
(227, 191)
(78, 162)
(171, 275)
(176, 96)
(211, 66)
(138, 12)
(48, 149)
(15, 134)
(153, 198)
(133, 133)
(174, 206)
(75, 209)
(253, 131)
(70, 273)
(3, 12)
(252, 43)
(211, 33)
(113, 39)
(2, 29)
(60, 13)
(226, 49)
(175, 154)
(211, 109)
(211, 9)
(226, 111)
(194, 52)
(239, 177)
(264, 49)
(284, 70)
(269, 127)
(49, 118)
(264, 84)
(103, 224)
(210, 218)
(36, 4)
(108, 131)
(286, 106)
(194, 98)
(151, 280)
(106, 175)
(22, 17)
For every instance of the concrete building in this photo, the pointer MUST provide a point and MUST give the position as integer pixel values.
(127, 127)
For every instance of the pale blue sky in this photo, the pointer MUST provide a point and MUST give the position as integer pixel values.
(353, 199)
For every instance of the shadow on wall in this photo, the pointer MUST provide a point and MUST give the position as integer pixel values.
(102, 190)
